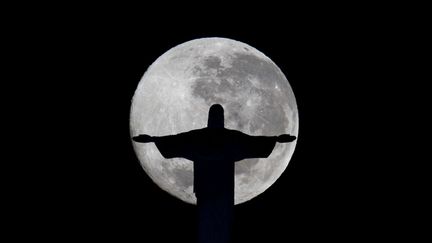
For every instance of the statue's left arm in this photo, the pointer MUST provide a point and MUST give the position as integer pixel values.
(260, 146)
(285, 138)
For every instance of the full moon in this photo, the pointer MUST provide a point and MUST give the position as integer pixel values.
(175, 95)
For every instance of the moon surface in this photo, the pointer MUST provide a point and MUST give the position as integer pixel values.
(175, 95)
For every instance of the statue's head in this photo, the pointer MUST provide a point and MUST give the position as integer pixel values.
(216, 116)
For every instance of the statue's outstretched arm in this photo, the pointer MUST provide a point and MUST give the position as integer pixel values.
(171, 146)
(144, 138)
(285, 138)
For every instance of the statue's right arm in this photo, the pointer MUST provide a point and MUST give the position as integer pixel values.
(170, 146)
(144, 138)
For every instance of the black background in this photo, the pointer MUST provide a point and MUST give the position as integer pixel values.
(86, 182)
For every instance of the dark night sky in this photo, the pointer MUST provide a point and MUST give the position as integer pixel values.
(91, 185)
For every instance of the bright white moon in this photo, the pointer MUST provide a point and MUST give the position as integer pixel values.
(176, 92)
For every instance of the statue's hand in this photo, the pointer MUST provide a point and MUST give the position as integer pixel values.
(285, 138)
(144, 138)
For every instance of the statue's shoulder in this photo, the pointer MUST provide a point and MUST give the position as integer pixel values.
(234, 133)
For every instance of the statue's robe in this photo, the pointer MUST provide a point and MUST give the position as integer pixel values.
(214, 152)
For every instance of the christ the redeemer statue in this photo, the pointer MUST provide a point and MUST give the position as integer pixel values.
(214, 150)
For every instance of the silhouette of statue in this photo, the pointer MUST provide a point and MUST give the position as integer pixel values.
(214, 150)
